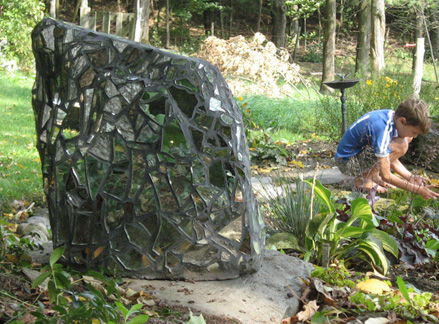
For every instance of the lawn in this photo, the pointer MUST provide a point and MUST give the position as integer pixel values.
(20, 170)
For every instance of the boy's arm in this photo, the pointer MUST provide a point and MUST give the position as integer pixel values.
(387, 176)
(399, 168)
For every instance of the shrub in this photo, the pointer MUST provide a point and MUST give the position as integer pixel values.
(17, 19)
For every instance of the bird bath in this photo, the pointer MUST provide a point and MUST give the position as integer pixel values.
(342, 85)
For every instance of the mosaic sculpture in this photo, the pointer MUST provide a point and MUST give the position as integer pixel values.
(144, 158)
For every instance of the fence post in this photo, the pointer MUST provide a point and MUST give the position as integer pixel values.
(106, 23)
(119, 21)
(84, 11)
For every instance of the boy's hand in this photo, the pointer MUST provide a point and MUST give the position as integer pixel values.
(426, 193)
(417, 180)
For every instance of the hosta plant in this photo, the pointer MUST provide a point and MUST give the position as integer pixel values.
(355, 237)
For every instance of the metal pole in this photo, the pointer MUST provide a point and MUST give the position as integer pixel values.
(343, 111)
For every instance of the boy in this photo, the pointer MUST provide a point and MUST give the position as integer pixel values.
(373, 145)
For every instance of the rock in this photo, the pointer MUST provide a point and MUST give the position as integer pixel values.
(259, 298)
(37, 237)
(282, 241)
(33, 228)
(42, 255)
(38, 220)
(423, 150)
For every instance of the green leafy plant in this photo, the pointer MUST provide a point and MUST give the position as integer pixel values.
(58, 279)
(127, 313)
(195, 319)
(345, 239)
(83, 306)
(334, 275)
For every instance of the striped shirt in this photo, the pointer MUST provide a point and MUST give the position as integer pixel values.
(375, 129)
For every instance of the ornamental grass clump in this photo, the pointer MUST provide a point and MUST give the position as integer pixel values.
(289, 207)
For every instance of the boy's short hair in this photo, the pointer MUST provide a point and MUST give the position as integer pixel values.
(416, 113)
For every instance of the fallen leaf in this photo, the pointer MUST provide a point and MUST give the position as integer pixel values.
(434, 182)
(318, 284)
(97, 252)
(297, 163)
(309, 311)
(373, 286)
(27, 318)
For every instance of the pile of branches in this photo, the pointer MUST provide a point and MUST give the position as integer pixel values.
(258, 61)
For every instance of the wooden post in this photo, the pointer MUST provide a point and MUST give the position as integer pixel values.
(84, 11)
(106, 23)
(119, 21)
(417, 77)
(92, 20)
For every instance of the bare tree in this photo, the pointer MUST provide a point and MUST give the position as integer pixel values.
(145, 7)
(363, 40)
(419, 31)
(329, 43)
(259, 16)
(168, 32)
(378, 35)
(279, 22)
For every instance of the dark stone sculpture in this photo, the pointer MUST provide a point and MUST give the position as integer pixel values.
(144, 158)
(423, 150)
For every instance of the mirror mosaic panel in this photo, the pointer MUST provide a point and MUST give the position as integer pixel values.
(145, 162)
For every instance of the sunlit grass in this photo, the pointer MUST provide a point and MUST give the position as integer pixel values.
(20, 170)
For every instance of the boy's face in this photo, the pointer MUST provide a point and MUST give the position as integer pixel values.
(405, 130)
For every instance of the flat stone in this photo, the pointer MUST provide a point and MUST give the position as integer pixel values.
(262, 297)
(264, 187)
(259, 298)
(326, 176)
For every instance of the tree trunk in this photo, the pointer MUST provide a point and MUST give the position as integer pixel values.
(222, 31)
(363, 40)
(52, 9)
(168, 20)
(329, 44)
(434, 31)
(145, 7)
(378, 35)
(231, 18)
(75, 14)
(418, 70)
(279, 22)
(419, 31)
(295, 34)
(138, 22)
(258, 29)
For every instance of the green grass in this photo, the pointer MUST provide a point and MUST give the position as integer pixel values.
(287, 114)
(20, 170)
